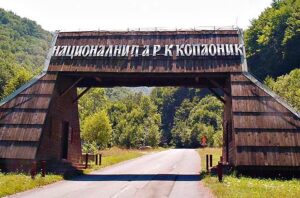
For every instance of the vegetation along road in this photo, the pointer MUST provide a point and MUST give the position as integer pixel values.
(170, 173)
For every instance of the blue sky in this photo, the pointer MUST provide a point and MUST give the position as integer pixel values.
(68, 15)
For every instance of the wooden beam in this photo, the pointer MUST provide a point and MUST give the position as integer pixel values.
(217, 95)
(98, 79)
(216, 84)
(81, 94)
(69, 88)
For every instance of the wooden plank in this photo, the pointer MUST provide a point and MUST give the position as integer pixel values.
(147, 64)
(18, 133)
(265, 121)
(257, 105)
(263, 158)
(18, 150)
(26, 102)
(268, 138)
(23, 118)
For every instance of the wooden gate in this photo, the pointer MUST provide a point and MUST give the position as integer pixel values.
(260, 128)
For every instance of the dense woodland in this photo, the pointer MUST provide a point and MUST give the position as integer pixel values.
(162, 116)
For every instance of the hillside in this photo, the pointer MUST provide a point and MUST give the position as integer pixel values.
(23, 48)
(273, 39)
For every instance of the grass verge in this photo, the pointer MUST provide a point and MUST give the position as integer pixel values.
(236, 187)
(115, 155)
(12, 183)
(215, 152)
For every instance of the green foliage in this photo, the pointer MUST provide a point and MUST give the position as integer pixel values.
(134, 119)
(138, 122)
(20, 77)
(23, 38)
(23, 48)
(91, 102)
(97, 128)
(117, 93)
(90, 147)
(272, 40)
(196, 119)
(167, 100)
(287, 86)
(218, 138)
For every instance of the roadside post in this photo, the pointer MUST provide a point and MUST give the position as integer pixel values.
(96, 159)
(100, 158)
(220, 170)
(207, 167)
(86, 160)
(43, 168)
(33, 170)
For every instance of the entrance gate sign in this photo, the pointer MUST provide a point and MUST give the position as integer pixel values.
(40, 121)
(149, 50)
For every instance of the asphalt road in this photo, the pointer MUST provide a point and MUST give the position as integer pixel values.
(171, 173)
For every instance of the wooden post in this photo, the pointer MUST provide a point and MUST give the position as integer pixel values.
(207, 168)
(100, 159)
(96, 159)
(86, 160)
(220, 169)
(33, 170)
(43, 168)
(210, 160)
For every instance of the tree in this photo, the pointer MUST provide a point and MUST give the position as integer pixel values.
(20, 77)
(97, 128)
(167, 100)
(23, 48)
(208, 111)
(181, 134)
(151, 122)
(272, 40)
(287, 86)
(117, 116)
(197, 118)
(93, 101)
(132, 132)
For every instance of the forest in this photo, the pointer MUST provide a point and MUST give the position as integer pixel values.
(160, 116)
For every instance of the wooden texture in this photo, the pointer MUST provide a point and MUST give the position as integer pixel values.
(159, 63)
(258, 129)
(266, 132)
(22, 120)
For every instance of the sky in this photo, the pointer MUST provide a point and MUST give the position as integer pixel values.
(71, 15)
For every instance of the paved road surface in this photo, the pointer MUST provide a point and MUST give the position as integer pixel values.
(171, 173)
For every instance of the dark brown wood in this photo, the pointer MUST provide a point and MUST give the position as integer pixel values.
(71, 86)
(81, 94)
(86, 160)
(207, 163)
(217, 95)
(266, 131)
(259, 129)
(159, 64)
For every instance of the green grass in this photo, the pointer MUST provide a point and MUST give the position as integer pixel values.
(115, 155)
(233, 187)
(215, 152)
(12, 183)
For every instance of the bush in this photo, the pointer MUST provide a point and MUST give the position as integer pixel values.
(97, 128)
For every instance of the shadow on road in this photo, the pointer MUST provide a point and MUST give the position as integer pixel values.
(138, 177)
